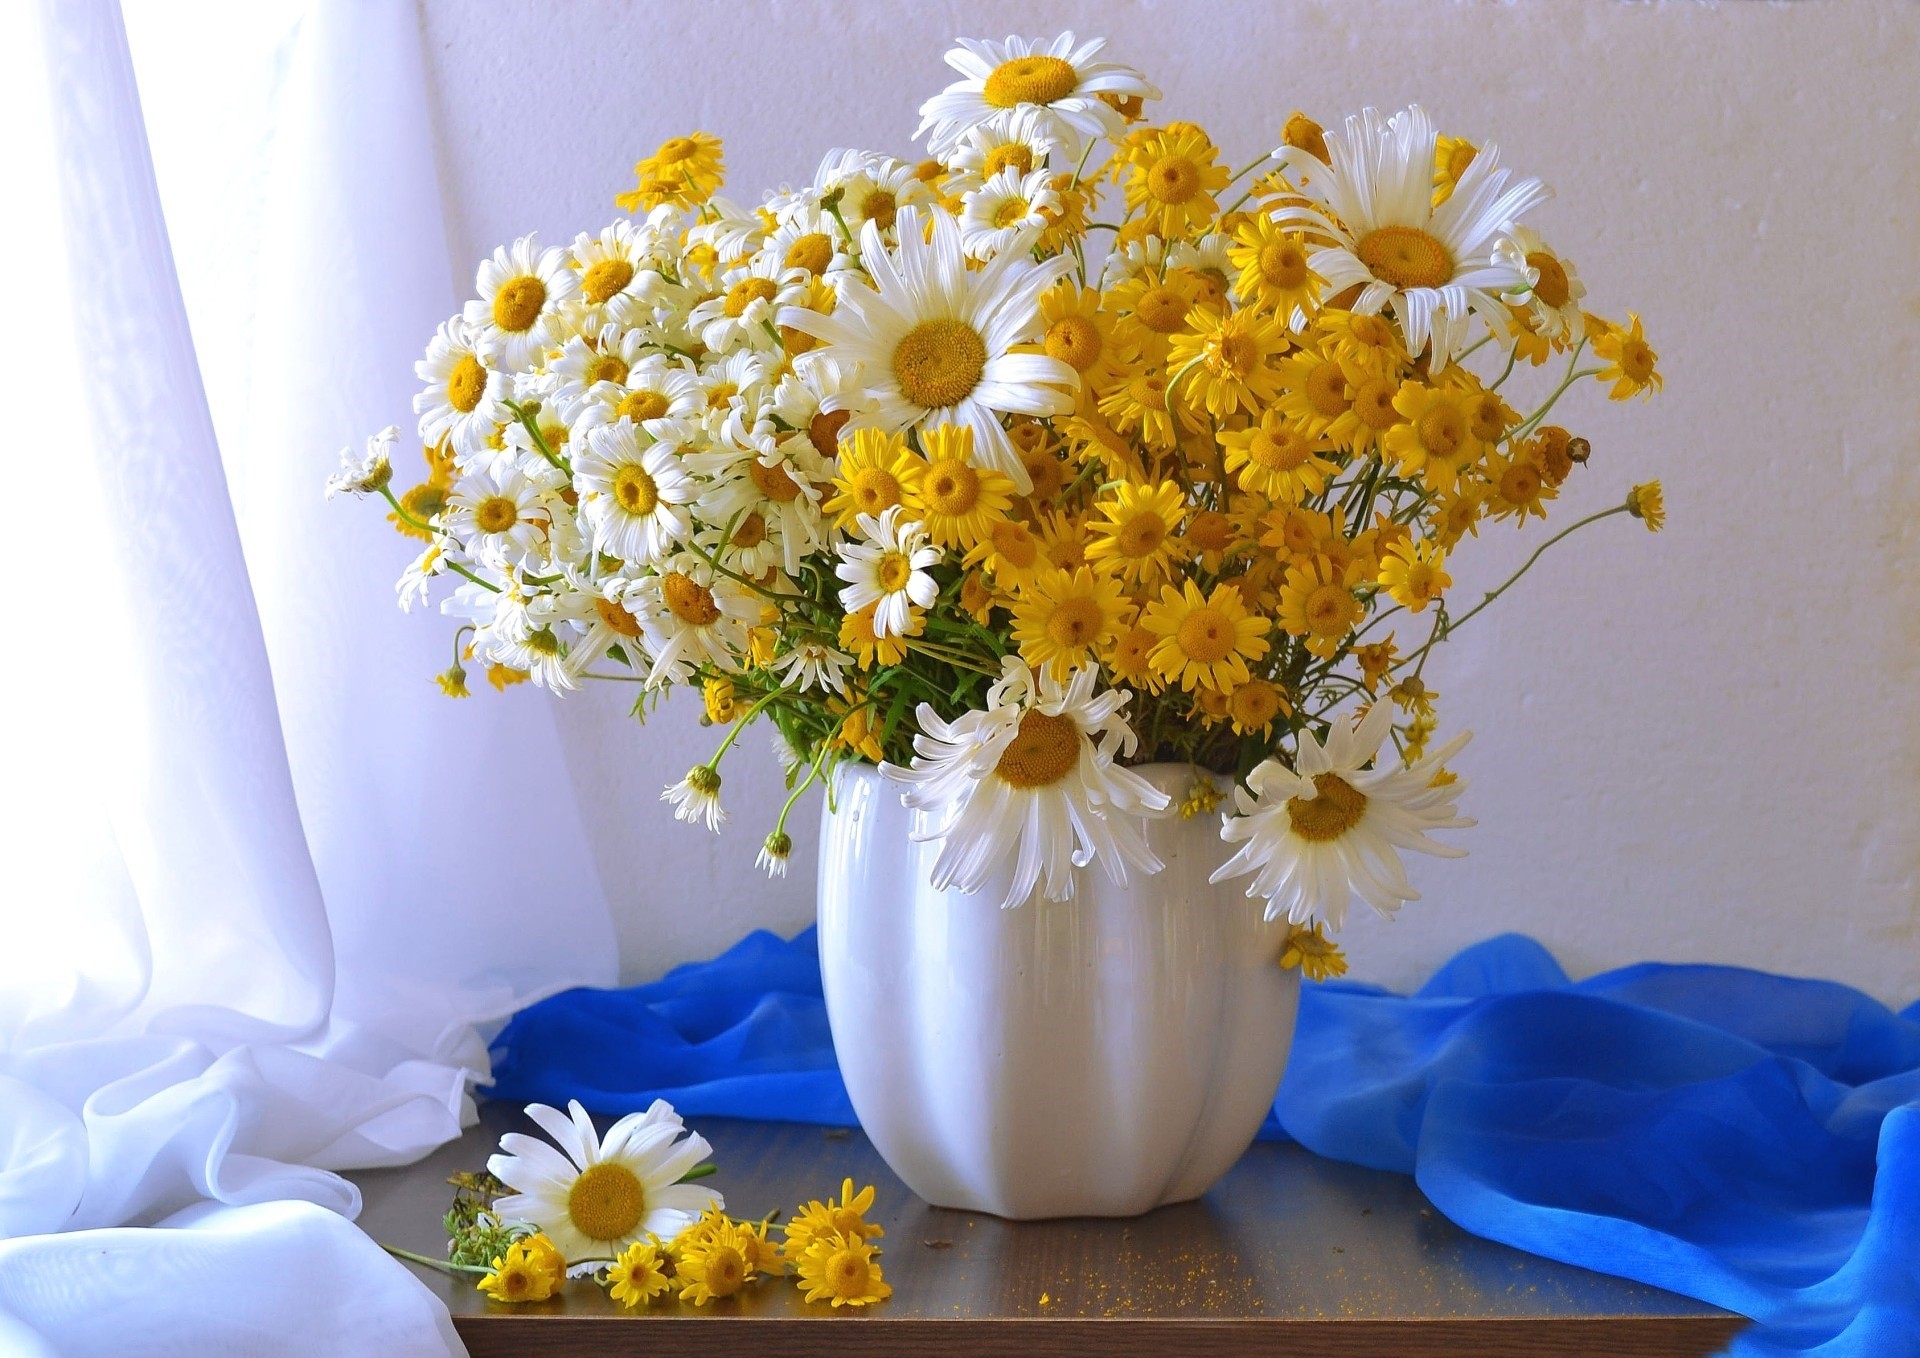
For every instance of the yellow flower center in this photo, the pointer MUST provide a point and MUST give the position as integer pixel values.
(1279, 450)
(875, 489)
(892, 572)
(1011, 211)
(1520, 484)
(496, 514)
(823, 431)
(607, 368)
(880, 207)
(1336, 809)
(1443, 430)
(1284, 264)
(1014, 154)
(677, 149)
(939, 363)
(617, 617)
(466, 384)
(1488, 421)
(848, 1274)
(1235, 354)
(1552, 287)
(1329, 610)
(1636, 359)
(812, 252)
(606, 1202)
(642, 405)
(1373, 403)
(1254, 703)
(1173, 180)
(1030, 80)
(1075, 622)
(1013, 544)
(690, 601)
(517, 305)
(1075, 341)
(1326, 389)
(751, 532)
(1206, 635)
(723, 1271)
(1141, 535)
(1405, 256)
(635, 489)
(1210, 531)
(1161, 309)
(720, 395)
(772, 482)
(605, 279)
(950, 487)
(748, 291)
(1043, 751)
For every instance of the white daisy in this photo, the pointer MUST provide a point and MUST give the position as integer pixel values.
(740, 379)
(751, 296)
(871, 188)
(634, 493)
(619, 278)
(531, 635)
(696, 797)
(501, 520)
(732, 230)
(934, 340)
(814, 664)
(517, 317)
(994, 216)
(747, 545)
(809, 239)
(1025, 142)
(1432, 266)
(417, 579)
(602, 1194)
(1553, 290)
(367, 473)
(461, 401)
(691, 617)
(1330, 829)
(1058, 79)
(889, 569)
(758, 470)
(655, 388)
(1032, 779)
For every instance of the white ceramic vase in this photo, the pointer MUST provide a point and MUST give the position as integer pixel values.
(1095, 1057)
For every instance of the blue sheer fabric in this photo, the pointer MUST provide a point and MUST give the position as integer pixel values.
(1748, 1139)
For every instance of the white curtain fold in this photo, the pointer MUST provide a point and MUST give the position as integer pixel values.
(262, 881)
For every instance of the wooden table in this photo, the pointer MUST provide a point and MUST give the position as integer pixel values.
(1289, 1254)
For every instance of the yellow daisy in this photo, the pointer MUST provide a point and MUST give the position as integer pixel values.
(977, 598)
(1374, 413)
(685, 171)
(1370, 341)
(1063, 539)
(1647, 503)
(1151, 307)
(1172, 176)
(713, 1262)
(1434, 442)
(1459, 515)
(1062, 621)
(1631, 361)
(1135, 537)
(869, 648)
(1138, 403)
(1010, 553)
(1078, 333)
(1204, 639)
(843, 1216)
(638, 1275)
(843, 1270)
(1314, 395)
(1252, 707)
(859, 731)
(876, 471)
(1299, 533)
(1414, 573)
(1520, 486)
(1273, 268)
(957, 500)
(1317, 604)
(1130, 661)
(1228, 360)
(1276, 459)
(531, 1270)
(1318, 957)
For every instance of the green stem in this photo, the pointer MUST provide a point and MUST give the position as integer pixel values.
(459, 569)
(780, 825)
(405, 517)
(444, 1265)
(733, 734)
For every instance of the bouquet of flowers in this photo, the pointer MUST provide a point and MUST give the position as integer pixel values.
(1067, 448)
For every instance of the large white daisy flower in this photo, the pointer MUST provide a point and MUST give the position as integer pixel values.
(517, 316)
(461, 400)
(934, 340)
(1031, 778)
(1059, 79)
(1329, 829)
(620, 277)
(1431, 265)
(602, 1194)
(889, 570)
(634, 493)
(993, 216)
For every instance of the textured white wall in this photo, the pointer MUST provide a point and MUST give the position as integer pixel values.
(1700, 746)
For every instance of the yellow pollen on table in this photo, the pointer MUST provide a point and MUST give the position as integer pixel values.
(880, 207)
(606, 1202)
(495, 514)
(688, 599)
(772, 482)
(751, 532)
(1326, 389)
(1405, 256)
(1283, 264)
(950, 487)
(1161, 309)
(748, 291)
(1141, 535)
(1011, 211)
(1443, 431)
(635, 489)
(939, 363)
(466, 384)
(1373, 403)
(1279, 450)
(892, 572)
(823, 431)
(1519, 484)
(1044, 750)
(1075, 341)
(1173, 180)
(875, 489)
(642, 405)
(1075, 622)
(1014, 544)
(812, 252)
(1329, 610)
(607, 368)
(516, 306)
(1206, 635)
(616, 617)
(605, 280)
(1210, 531)
(1236, 354)
(1036, 79)
(1015, 155)
(1552, 286)
(1335, 809)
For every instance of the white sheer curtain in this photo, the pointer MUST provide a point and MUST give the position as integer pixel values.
(257, 886)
